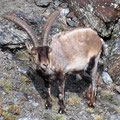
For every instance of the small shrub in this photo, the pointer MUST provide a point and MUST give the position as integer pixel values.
(60, 117)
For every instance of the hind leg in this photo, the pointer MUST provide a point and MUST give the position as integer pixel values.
(92, 92)
(88, 92)
(94, 77)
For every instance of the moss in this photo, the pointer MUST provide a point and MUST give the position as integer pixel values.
(73, 99)
(89, 110)
(116, 108)
(54, 99)
(60, 117)
(107, 94)
(55, 107)
(25, 79)
(1, 81)
(98, 117)
(23, 54)
(7, 86)
(49, 116)
(7, 76)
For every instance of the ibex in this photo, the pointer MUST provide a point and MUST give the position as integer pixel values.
(71, 51)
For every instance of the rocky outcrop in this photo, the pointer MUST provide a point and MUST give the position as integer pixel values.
(99, 15)
(12, 36)
(42, 3)
(114, 57)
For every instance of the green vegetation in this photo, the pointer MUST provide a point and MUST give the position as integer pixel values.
(7, 86)
(22, 54)
(60, 117)
(25, 79)
(89, 110)
(73, 99)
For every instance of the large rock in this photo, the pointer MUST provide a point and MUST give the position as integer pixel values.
(12, 36)
(9, 37)
(99, 15)
(114, 57)
(42, 3)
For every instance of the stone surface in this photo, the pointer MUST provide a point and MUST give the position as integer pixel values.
(25, 70)
(10, 37)
(106, 78)
(117, 89)
(114, 56)
(57, 3)
(114, 117)
(10, 56)
(96, 14)
(64, 12)
(28, 118)
(107, 10)
(42, 3)
(47, 116)
(70, 22)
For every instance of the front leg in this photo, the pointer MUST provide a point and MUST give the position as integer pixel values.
(61, 96)
(48, 104)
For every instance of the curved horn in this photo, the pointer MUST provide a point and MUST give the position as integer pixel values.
(48, 25)
(24, 25)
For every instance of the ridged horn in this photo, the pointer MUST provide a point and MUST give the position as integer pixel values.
(47, 27)
(24, 25)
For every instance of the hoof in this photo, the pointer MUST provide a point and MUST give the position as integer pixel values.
(86, 97)
(48, 106)
(91, 105)
(61, 111)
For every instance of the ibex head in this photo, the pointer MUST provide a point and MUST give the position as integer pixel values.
(39, 55)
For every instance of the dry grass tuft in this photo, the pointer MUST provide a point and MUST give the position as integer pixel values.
(73, 99)
(89, 110)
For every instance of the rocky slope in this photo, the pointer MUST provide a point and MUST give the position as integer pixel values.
(22, 90)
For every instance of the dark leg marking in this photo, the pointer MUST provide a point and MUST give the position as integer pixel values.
(88, 92)
(89, 71)
(61, 86)
(48, 104)
(94, 77)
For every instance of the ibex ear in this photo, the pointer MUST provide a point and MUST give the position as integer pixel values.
(28, 46)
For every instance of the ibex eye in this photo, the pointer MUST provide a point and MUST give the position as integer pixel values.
(44, 65)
